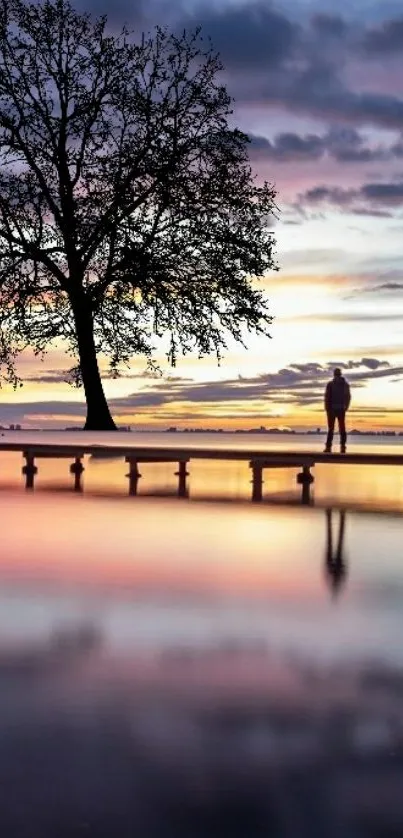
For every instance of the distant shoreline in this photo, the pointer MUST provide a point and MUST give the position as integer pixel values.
(216, 431)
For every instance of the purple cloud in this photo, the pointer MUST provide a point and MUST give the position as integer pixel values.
(343, 144)
(384, 39)
(287, 147)
(363, 201)
(329, 25)
(247, 37)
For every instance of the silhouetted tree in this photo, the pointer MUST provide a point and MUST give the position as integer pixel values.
(127, 204)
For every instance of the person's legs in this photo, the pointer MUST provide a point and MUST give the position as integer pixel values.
(342, 429)
(330, 425)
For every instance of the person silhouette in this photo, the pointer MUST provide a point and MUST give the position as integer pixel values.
(335, 565)
(337, 402)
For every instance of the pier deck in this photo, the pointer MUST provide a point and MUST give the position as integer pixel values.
(258, 459)
(181, 452)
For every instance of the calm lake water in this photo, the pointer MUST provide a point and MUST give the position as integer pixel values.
(208, 667)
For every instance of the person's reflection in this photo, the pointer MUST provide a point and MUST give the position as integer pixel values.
(335, 567)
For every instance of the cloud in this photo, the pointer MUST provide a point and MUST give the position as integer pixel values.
(369, 199)
(372, 212)
(347, 145)
(370, 363)
(286, 147)
(384, 39)
(134, 12)
(397, 149)
(283, 58)
(49, 378)
(319, 92)
(385, 286)
(279, 57)
(376, 410)
(22, 411)
(343, 144)
(336, 195)
(297, 385)
(384, 193)
(305, 76)
(347, 317)
(247, 37)
(65, 376)
(329, 25)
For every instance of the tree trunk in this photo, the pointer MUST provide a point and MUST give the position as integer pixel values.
(98, 414)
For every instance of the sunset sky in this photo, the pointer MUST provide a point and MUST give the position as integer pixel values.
(321, 96)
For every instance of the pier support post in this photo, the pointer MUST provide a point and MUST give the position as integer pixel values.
(30, 470)
(182, 474)
(134, 476)
(77, 469)
(257, 481)
(305, 479)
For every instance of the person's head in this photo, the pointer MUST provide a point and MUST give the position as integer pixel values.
(337, 372)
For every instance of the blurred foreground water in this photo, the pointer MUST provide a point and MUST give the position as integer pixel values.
(205, 669)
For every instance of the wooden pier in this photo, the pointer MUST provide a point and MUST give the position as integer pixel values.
(181, 457)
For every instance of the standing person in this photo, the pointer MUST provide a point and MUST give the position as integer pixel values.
(337, 402)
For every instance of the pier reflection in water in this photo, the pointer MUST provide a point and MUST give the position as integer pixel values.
(179, 669)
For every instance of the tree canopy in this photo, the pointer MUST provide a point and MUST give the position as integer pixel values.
(128, 207)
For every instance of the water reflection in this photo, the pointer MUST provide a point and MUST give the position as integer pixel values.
(94, 746)
(188, 676)
(335, 564)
